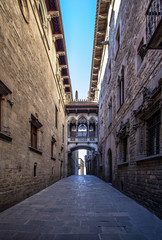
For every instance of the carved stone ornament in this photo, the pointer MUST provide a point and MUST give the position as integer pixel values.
(148, 103)
(23, 4)
(123, 130)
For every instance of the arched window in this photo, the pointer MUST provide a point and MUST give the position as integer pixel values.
(82, 130)
(73, 127)
(82, 127)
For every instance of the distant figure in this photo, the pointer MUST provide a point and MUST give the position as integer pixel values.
(76, 95)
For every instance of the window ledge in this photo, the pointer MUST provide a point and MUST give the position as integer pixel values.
(153, 157)
(53, 158)
(5, 137)
(35, 150)
(123, 164)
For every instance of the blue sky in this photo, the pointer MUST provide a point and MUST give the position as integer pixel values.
(79, 23)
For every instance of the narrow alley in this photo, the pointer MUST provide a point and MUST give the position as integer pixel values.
(79, 208)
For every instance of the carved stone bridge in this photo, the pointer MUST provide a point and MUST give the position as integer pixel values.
(82, 128)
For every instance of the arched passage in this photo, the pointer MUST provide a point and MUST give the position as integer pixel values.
(78, 147)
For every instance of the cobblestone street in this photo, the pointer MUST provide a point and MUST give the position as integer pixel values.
(79, 208)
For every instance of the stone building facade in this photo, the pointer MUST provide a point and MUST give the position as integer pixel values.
(34, 87)
(126, 79)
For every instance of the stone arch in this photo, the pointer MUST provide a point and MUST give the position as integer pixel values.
(82, 119)
(86, 147)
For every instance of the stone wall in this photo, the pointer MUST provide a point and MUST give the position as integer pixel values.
(28, 67)
(138, 176)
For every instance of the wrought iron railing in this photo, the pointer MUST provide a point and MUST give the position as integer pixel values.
(153, 18)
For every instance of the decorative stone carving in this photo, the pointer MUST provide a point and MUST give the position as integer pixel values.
(123, 129)
(148, 104)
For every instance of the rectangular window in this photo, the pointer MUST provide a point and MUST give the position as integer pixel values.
(53, 140)
(117, 45)
(153, 137)
(56, 117)
(63, 133)
(33, 136)
(121, 87)
(35, 125)
(52, 148)
(5, 110)
(35, 169)
(109, 71)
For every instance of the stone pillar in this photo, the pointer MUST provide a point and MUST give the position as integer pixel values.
(76, 128)
(68, 129)
(88, 129)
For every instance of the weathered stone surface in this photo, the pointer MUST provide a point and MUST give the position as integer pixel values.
(138, 179)
(79, 208)
(28, 67)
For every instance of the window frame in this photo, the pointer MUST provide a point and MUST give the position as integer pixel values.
(53, 141)
(35, 125)
(34, 130)
(117, 41)
(56, 116)
(63, 133)
(153, 131)
(5, 95)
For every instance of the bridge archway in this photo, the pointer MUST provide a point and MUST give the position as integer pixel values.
(80, 147)
(82, 130)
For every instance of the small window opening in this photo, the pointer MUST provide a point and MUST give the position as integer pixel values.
(35, 169)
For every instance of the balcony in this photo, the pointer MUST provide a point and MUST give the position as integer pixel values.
(154, 25)
(82, 137)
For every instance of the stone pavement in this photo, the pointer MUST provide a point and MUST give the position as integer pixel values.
(79, 208)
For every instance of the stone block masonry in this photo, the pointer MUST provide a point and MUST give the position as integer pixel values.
(28, 68)
(134, 90)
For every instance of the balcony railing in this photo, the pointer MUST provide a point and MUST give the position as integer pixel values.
(82, 134)
(154, 25)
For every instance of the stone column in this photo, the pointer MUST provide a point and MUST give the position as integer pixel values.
(88, 129)
(68, 129)
(76, 128)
